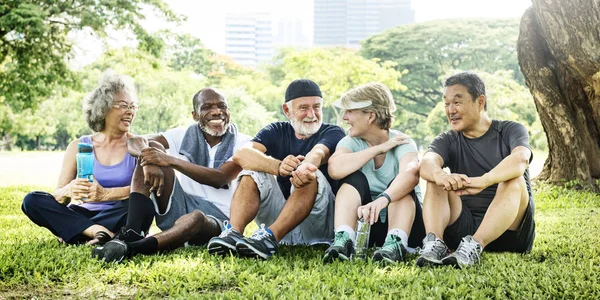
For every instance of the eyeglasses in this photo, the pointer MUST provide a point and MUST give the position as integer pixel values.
(124, 107)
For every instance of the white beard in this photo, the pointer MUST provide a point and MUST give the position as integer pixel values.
(306, 130)
(211, 132)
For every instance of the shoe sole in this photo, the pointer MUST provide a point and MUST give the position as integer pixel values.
(451, 261)
(223, 249)
(247, 250)
(334, 255)
(423, 262)
(383, 260)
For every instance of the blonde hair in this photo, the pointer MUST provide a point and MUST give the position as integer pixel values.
(382, 102)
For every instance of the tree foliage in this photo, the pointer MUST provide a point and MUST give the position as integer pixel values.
(35, 48)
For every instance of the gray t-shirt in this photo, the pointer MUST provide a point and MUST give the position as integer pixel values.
(475, 157)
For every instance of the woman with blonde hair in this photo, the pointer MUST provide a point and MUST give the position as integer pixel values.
(78, 210)
(378, 170)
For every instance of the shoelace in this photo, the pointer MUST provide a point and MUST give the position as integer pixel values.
(432, 246)
(339, 240)
(260, 234)
(390, 244)
(228, 230)
(468, 249)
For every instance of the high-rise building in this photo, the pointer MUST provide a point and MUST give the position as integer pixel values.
(291, 33)
(348, 22)
(249, 38)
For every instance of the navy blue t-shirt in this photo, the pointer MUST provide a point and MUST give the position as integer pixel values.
(280, 141)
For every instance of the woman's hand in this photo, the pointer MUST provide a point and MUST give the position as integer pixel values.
(96, 193)
(398, 139)
(370, 212)
(76, 190)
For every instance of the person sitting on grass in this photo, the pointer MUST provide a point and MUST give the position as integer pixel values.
(485, 202)
(378, 169)
(80, 211)
(192, 205)
(285, 184)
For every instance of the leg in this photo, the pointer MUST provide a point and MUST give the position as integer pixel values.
(65, 222)
(195, 227)
(347, 202)
(505, 212)
(295, 210)
(401, 214)
(245, 203)
(440, 208)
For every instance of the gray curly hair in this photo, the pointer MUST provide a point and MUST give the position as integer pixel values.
(97, 103)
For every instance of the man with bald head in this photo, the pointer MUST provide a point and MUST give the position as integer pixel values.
(184, 178)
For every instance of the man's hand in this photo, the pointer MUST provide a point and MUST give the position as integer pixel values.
(452, 182)
(154, 176)
(304, 175)
(398, 139)
(475, 187)
(154, 156)
(289, 164)
(370, 212)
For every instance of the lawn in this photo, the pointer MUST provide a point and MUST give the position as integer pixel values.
(564, 263)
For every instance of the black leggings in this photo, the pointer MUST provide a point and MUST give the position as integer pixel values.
(379, 230)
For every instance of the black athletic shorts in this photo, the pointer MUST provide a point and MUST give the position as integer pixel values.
(519, 241)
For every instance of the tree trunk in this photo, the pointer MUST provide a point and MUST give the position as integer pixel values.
(559, 55)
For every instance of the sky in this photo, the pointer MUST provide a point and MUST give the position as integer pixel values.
(206, 18)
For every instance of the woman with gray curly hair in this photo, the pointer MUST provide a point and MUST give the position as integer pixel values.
(378, 169)
(78, 210)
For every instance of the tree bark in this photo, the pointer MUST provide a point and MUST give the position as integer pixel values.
(559, 55)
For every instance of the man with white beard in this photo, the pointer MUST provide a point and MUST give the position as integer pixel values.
(192, 204)
(285, 186)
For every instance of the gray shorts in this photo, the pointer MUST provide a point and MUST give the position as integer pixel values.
(317, 228)
(181, 204)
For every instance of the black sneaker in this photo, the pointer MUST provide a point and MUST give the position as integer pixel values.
(342, 248)
(225, 242)
(432, 252)
(467, 254)
(117, 249)
(392, 251)
(262, 244)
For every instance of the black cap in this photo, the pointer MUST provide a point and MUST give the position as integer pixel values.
(302, 88)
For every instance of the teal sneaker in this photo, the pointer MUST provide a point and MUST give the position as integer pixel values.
(392, 251)
(342, 248)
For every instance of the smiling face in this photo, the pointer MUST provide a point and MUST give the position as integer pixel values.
(304, 115)
(358, 120)
(212, 114)
(122, 113)
(462, 111)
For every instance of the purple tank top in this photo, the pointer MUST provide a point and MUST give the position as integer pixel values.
(118, 175)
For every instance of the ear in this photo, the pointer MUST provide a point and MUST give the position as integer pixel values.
(481, 102)
(372, 117)
(286, 110)
(195, 116)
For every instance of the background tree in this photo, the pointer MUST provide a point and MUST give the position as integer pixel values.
(34, 47)
(558, 48)
(427, 52)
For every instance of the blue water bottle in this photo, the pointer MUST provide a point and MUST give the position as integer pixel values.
(85, 161)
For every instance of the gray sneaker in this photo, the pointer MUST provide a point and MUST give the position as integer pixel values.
(433, 251)
(467, 254)
(225, 242)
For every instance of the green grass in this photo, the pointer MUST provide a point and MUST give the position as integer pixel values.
(564, 263)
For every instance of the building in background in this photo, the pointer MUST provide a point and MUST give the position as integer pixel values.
(291, 33)
(348, 22)
(249, 38)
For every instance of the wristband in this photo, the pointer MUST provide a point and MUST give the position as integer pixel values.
(384, 194)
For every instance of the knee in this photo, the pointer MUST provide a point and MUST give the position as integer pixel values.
(516, 184)
(191, 219)
(34, 199)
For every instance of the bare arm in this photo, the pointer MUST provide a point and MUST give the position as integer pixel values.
(68, 172)
(137, 143)
(252, 157)
(431, 170)
(509, 168)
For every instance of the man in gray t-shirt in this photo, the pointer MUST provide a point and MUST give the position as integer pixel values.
(485, 201)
